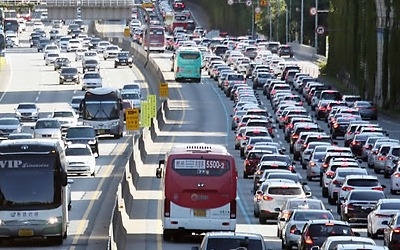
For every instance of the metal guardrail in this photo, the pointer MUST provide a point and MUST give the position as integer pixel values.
(95, 3)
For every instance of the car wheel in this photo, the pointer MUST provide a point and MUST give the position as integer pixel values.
(115, 66)
(331, 201)
(309, 178)
(392, 191)
(262, 220)
(256, 214)
(245, 175)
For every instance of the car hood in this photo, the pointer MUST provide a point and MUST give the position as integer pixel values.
(9, 127)
(26, 110)
(80, 158)
(47, 130)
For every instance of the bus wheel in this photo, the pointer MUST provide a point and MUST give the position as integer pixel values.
(117, 136)
(57, 240)
(198, 80)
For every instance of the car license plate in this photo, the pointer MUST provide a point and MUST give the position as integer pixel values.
(25, 232)
(200, 213)
(101, 131)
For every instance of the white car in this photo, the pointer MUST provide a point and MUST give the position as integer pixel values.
(49, 128)
(273, 194)
(76, 102)
(63, 42)
(51, 57)
(73, 45)
(90, 54)
(336, 183)
(395, 180)
(379, 217)
(132, 96)
(80, 159)
(50, 48)
(38, 26)
(14, 40)
(27, 111)
(332, 241)
(66, 117)
(111, 51)
(101, 46)
(79, 54)
(92, 79)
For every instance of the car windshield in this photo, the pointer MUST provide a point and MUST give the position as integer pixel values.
(69, 70)
(77, 151)
(283, 190)
(26, 106)
(363, 182)
(47, 124)
(81, 132)
(293, 177)
(130, 96)
(63, 114)
(390, 205)
(329, 229)
(233, 243)
(367, 196)
(91, 76)
(312, 215)
(353, 241)
(9, 122)
(306, 204)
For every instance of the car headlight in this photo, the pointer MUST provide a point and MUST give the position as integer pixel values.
(130, 59)
(92, 142)
(62, 77)
(17, 113)
(53, 220)
(115, 124)
(116, 59)
(75, 76)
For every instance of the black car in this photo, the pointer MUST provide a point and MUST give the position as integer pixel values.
(90, 64)
(61, 62)
(123, 59)
(34, 40)
(69, 74)
(358, 204)
(43, 41)
(391, 234)
(93, 42)
(285, 50)
(315, 232)
(83, 134)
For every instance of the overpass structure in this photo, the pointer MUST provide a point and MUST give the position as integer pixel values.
(89, 9)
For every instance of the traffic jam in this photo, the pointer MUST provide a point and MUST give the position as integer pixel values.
(292, 130)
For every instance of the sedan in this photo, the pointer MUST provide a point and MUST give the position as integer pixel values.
(366, 109)
(47, 128)
(296, 221)
(80, 159)
(61, 62)
(9, 125)
(395, 180)
(381, 215)
(27, 111)
(91, 79)
(69, 74)
(391, 234)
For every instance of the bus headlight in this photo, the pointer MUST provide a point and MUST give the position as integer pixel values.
(52, 220)
(2, 223)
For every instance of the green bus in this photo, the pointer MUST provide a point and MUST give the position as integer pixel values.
(186, 64)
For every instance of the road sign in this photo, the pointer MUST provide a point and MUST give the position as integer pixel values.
(163, 91)
(320, 30)
(263, 3)
(257, 10)
(230, 2)
(313, 11)
(248, 3)
(257, 17)
(132, 119)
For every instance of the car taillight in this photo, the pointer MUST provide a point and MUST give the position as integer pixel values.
(330, 174)
(244, 138)
(367, 146)
(308, 240)
(249, 147)
(336, 125)
(347, 188)
(396, 230)
(167, 207)
(350, 207)
(378, 188)
(293, 229)
(397, 175)
(305, 145)
(381, 158)
(336, 182)
(246, 162)
(312, 163)
(267, 198)
(233, 209)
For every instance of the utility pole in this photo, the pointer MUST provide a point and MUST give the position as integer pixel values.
(301, 21)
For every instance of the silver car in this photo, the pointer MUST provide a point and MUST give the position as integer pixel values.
(92, 79)
(9, 125)
(296, 222)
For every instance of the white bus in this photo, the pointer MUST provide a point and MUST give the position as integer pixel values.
(34, 191)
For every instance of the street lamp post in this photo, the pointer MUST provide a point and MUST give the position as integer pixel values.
(316, 25)
(301, 21)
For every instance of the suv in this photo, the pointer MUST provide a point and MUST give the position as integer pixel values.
(123, 59)
(270, 196)
(232, 240)
(359, 182)
(285, 50)
(83, 134)
(315, 232)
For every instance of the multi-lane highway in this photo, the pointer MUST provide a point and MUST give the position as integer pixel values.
(25, 78)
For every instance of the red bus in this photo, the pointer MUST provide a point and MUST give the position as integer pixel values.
(199, 189)
(157, 39)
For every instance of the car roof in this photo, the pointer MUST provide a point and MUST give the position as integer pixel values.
(233, 234)
(77, 145)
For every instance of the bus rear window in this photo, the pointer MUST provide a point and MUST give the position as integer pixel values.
(188, 55)
(201, 167)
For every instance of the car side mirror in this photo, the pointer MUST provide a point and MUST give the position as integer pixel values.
(259, 192)
(277, 209)
(383, 186)
(304, 183)
(314, 248)
(282, 219)
(308, 194)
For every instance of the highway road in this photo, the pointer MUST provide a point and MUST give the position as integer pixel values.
(26, 78)
(201, 113)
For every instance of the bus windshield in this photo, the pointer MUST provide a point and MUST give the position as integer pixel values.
(29, 182)
(101, 110)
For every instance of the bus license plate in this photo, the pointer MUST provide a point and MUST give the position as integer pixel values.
(25, 232)
(200, 213)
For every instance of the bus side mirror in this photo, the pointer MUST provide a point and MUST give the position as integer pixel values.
(158, 172)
